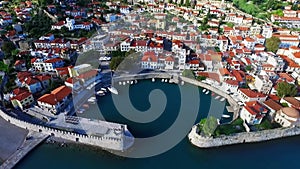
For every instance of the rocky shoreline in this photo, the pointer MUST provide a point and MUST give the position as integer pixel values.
(240, 138)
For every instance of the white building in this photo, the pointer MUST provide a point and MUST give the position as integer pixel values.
(253, 112)
(263, 84)
(287, 116)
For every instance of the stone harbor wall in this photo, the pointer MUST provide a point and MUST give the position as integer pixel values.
(119, 144)
(239, 138)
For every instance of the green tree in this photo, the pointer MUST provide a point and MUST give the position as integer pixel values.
(272, 44)
(286, 89)
(210, 126)
(248, 68)
(115, 62)
(7, 48)
(229, 24)
(188, 73)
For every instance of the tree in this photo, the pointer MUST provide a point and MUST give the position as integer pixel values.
(286, 89)
(188, 73)
(248, 68)
(210, 126)
(7, 48)
(272, 44)
(115, 61)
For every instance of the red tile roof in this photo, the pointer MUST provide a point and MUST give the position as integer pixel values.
(272, 104)
(255, 108)
(56, 95)
(251, 93)
(22, 96)
(88, 74)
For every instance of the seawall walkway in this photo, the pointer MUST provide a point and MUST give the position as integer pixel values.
(33, 139)
(239, 138)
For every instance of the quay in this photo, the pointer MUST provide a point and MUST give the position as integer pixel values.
(32, 140)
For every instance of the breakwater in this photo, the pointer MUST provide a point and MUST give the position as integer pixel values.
(239, 138)
(120, 143)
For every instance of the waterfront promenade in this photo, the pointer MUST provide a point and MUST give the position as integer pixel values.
(33, 139)
(11, 138)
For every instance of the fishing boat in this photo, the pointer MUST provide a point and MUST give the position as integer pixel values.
(222, 99)
(207, 92)
(217, 97)
(225, 116)
(204, 90)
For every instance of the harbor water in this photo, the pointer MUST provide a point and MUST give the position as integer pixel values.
(272, 154)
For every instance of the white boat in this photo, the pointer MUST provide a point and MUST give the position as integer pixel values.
(162, 80)
(120, 83)
(207, 92)
(93, 98)
(222, 99)
(100, 93)
(204, 90)
(135, 81)
(217, 97)
(82, 110)
(103, 89)
(127, 81)
(166, 80)
(113, 90)
(124, 83)
(225, 116)
(153, 80)
(131, 82)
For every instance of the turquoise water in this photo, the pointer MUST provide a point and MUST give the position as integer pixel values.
(272, 154)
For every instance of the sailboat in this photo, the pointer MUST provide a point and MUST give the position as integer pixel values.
(111, 88)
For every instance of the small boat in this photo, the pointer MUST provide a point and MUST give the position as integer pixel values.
(127, 82)
(85, 106)
(225, 116)
(153, 80)
(162, 80)
(182, 82)
(131, 82)
(100, 93)
(113, 90)
(204, 90)
(81, 110)
(92, 100)
(207, 92)
(135, 81)
(124, 83)
(217, 97)
(166, 80)
(103, 89)
(222, 99)
(120, 83)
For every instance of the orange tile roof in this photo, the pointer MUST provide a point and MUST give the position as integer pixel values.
(56, 95)
(251, 93)
(88, 74)
(255, 108)
(272, 104)
(22, 96)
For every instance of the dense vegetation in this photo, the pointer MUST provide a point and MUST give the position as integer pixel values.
(286, 89)
(39, 25)
(272, 44)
